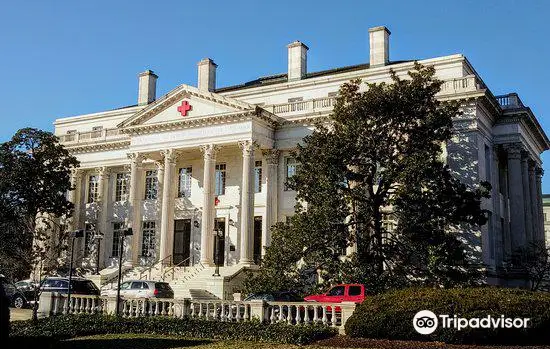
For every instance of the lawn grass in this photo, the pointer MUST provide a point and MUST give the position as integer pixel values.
(143, 341)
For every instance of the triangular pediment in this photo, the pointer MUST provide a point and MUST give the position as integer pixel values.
(185, 102)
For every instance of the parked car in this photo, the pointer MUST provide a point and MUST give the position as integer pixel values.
(283, 296)
(16, 297)
(340, 293)
(78, 286)
(142, 289)
(29, 288)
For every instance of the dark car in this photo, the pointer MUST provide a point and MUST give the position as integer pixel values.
(16, 297)
(29, 288)
(61, 284)
(282, 296)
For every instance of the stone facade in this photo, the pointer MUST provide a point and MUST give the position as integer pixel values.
(229, 142)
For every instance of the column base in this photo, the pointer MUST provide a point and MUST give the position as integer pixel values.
(207, 263)
(246, 262)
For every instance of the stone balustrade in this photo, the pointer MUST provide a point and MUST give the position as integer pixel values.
(93, 136)
(292, 313)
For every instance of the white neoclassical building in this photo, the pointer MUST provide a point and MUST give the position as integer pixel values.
(205, 159)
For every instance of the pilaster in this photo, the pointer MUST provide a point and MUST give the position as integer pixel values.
(103, 209)
(529, 233)
(271, 213)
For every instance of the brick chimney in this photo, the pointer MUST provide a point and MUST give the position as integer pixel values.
(297, 60)
(147, 89)
(379, 38)
(207, 75)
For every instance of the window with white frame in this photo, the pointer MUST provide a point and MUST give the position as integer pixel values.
(220, 180)
(117, 235)
(149, 240)
(93, 184)
(151, 185)
(258, 176)
(121, 186)
(291, 166)
(184, 185)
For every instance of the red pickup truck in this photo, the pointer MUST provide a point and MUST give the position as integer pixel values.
(340, 293)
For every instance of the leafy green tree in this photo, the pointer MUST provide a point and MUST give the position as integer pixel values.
(378, 159)
(34, 179)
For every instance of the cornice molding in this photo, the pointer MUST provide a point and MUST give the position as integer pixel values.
(100, 146)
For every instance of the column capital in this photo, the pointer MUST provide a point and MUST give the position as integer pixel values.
(103, 171)
(247, 147)
(170, 156)
(136, 158)
(271, 156)
(514, 150)
(76, 172)
(209, 151)
(539, 172)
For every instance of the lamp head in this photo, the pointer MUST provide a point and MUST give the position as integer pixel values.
(78, 233)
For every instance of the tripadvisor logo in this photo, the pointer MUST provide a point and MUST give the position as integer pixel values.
(426, 322)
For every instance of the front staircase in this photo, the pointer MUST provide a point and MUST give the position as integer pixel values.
(196, 282)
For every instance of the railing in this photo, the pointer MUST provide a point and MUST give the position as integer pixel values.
(292, 313)
(96, 135)
(172, 268)
(160, 264)
(510, 100)
(451, 86)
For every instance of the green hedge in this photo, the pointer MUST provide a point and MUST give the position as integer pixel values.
(62, 327)
(390, 315)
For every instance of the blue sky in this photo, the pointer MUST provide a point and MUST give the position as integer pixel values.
(61, 58)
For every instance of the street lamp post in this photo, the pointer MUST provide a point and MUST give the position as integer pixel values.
(217, 242)
(126, 232)
(76, 234)
(97, 237)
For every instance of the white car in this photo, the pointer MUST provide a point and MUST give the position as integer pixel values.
(141, 289)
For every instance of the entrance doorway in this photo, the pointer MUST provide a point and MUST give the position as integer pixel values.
(182, 240)
(219, 248)
(257, 239)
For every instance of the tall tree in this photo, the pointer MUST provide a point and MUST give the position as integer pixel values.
(34, 179)
(378, 158)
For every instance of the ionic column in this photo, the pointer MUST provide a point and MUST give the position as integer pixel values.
(135, 204)
(515, 190)
(247, 204)
(103, 207)
(271, 209)
(539, 172)
(529, 234)
(207, 227)
(167, 205)
(498, 231)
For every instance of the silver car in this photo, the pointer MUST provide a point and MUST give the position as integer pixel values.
(142, 289)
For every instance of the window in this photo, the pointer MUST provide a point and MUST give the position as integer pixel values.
(258, 177)
(354, 290)
(291, 166)
(121, 187)
(546, 220)
(125, 285)
(93, 184)
(336, 291)
(295, 99)
(151, 185)
(220, 180)
(148, 243)
(88, 239)
(184, 186)
(117, 234)
(137, 285)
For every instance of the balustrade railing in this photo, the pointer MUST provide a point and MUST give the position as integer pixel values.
(96, 135)
(292, 313)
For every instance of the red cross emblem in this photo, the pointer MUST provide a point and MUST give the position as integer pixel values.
(184, 108)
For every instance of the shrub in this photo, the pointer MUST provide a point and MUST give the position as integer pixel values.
(62, 327)
(390, 315)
